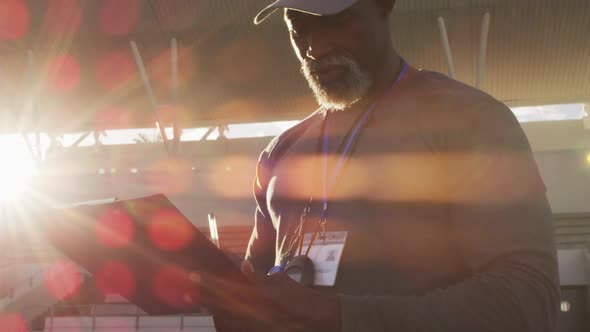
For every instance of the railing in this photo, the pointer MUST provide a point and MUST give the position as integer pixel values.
(25, 285)
(21, 255)
(118, 316)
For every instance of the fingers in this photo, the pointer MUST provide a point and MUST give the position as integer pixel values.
(238, 301)
(247, 267)
(264, 302)
(248, 270)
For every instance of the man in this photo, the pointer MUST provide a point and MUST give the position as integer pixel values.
(448, 227)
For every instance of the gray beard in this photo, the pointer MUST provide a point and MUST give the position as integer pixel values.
(353, 87)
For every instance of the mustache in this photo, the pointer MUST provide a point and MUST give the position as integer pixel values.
(353, 85)
(328, 61)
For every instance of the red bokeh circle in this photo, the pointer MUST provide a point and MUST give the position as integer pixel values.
(113, 117)
(114, 228)
(173, 287)
(118, 17)
(12, 322)
(63, 73)
(63, 279)
(169, 230)
(116, 278)
(170, 176)
(62, 18)
(114, 70)
(15, 19)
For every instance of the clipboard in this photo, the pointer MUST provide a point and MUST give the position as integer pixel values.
(153, 252)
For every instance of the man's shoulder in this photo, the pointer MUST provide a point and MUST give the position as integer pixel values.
(443, 104)
(454, 115)
(446, 96)
(437, 87)
(283, 141)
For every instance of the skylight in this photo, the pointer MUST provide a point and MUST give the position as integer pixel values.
(550, 113)
(261, 129)
(544, 113)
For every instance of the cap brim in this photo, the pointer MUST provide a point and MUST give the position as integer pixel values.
(312, 7)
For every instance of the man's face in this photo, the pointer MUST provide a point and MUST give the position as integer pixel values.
(339, 54)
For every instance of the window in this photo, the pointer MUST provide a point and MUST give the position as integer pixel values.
(550, 113)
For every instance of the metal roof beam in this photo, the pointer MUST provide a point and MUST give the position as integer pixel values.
(483, 49)
(446, 46)
(150, 92)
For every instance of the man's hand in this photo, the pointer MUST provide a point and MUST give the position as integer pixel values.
(292, 307)
(305, 306)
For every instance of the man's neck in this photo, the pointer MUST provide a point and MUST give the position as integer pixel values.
(384, 79)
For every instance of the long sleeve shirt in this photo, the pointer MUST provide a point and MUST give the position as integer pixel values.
(449, 228)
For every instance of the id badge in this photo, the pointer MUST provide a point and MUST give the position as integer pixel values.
(325, 253)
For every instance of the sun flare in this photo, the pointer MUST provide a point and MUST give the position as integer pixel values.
(17, 168)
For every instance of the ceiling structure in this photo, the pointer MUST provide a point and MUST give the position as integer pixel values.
(67, 65)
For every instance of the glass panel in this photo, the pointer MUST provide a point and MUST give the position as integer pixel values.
(550, 113)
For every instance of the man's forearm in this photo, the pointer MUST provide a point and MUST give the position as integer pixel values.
(518, 293)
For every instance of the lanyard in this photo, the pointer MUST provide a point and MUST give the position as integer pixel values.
(329, 181)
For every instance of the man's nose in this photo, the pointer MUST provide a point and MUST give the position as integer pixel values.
(318, 45)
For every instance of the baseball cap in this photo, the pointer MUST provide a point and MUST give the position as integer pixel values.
(313, 7)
